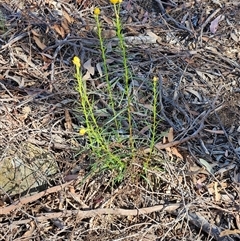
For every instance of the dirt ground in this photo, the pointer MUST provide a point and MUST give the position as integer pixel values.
(190, 188)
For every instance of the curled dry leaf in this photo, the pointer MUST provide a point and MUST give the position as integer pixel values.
(28, 234)
(194, 92)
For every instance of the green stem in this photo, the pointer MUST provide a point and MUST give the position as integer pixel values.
(126, 72)
(103, 52)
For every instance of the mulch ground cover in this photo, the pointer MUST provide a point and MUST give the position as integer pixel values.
(189, 189)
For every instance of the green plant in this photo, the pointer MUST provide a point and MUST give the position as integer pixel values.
(122, 46)
(102, 142)
(98, 143)
(97, 11)
(154, 124)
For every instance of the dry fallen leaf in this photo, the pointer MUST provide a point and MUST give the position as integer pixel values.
(88, 66)
(39, 43)
(68, 121)
(108, 33)
(228, 232)
(194, 92)
(214, 23)
(67, 17)
(217, 2)
(108, 20)
(202, 75)
(176, 153)
(216, 193)
(26, 110)
(170, 135)
(206, 165)
(59, 30)
(65, 26)
(29, 233)
(234, 37)
(99, 69)
(71, 189)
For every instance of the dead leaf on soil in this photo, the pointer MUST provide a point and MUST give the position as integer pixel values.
(59, 30)
(155, 38)
(90, 70)
(218, 132)
(68, 17)
(108, 33)
(72, 189)
(68, 121)
(172, 151)
(109, 21)
(202, 75)
(217, 2)
(214, 23)
(65, 26)
(141, 39)
(86, 77)
(194, 92)
(26, 110)
(170, 135)
(88, 66)
(217, 195)
(206, 165)
(234, 37)
(99, 69)
(39, 43)
(29, 233)
(175, 152)
(228, 232)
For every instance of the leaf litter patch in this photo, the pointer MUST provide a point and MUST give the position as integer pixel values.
(189, 188)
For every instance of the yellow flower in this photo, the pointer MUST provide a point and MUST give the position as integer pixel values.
(76, 61)
(115, 1)
(82, 131)
(97, 11)
(155, 79)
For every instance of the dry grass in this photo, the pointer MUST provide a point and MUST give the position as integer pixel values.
(187, 190)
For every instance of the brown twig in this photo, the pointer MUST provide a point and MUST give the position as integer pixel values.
(161, 146)
(52, 145)
(25, 200)
(102, 211)
(195, 218)
(168, 18)
(206, 22)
